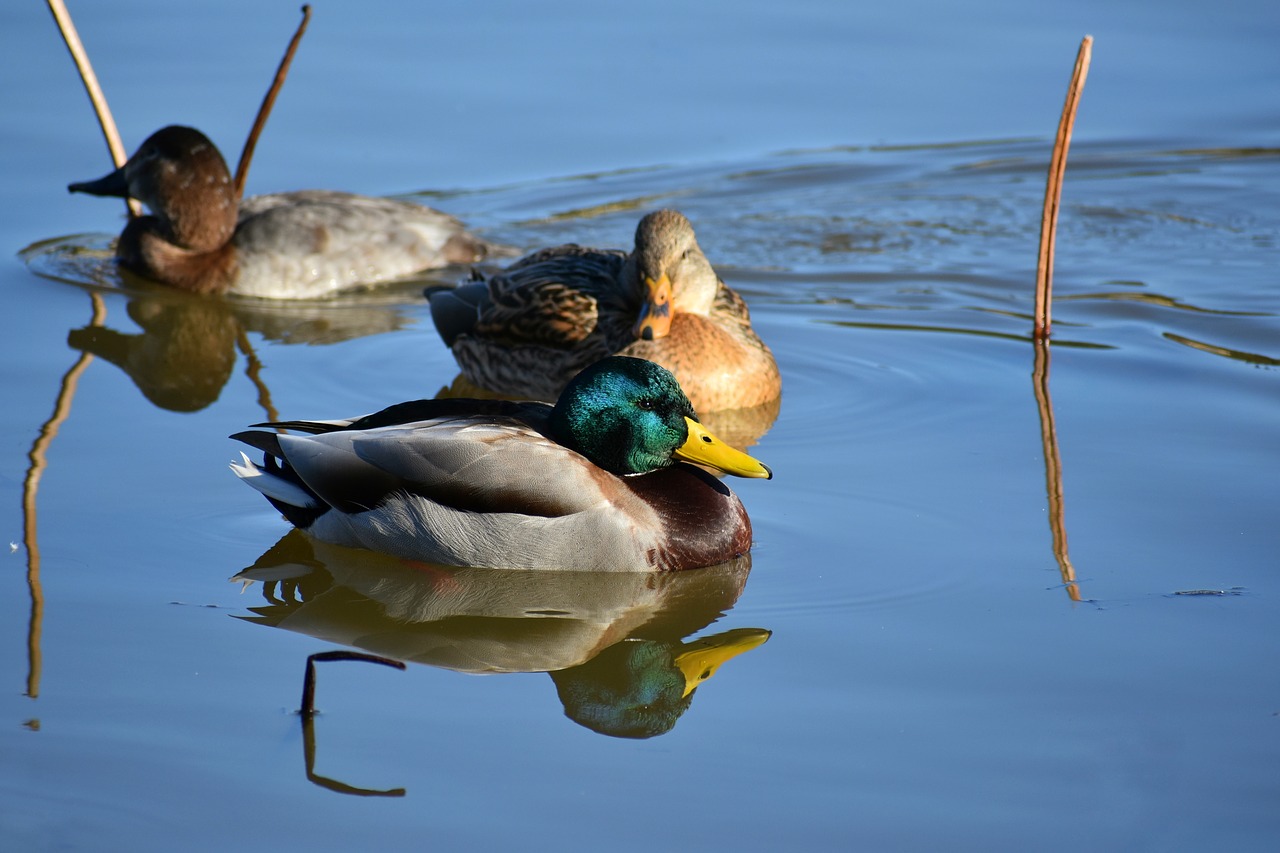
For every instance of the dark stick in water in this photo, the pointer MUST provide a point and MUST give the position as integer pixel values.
(308, 708)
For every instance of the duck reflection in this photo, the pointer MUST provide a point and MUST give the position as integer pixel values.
(614, 643)
(639, 688)
(187, 346)
(180, 360)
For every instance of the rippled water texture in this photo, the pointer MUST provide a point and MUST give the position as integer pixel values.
(1000, 599)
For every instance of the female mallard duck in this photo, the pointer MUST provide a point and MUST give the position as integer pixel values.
(297, 245)
(599, 482)
(530, 328)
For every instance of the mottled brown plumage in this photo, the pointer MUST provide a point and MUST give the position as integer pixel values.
(530, 328)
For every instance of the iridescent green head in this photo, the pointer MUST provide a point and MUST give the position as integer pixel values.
(629, 416)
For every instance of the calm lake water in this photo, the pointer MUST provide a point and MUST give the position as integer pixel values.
(932, 666)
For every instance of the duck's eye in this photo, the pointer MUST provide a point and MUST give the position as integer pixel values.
(645, 403)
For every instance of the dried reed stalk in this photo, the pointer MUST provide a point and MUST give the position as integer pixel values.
(1053, 192)
(246, 155)
(108, 124)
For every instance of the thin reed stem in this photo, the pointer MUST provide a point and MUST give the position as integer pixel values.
(260, 121)
(81, 58)
(1053, 192)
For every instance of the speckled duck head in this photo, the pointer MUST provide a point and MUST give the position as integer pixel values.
(672, 273)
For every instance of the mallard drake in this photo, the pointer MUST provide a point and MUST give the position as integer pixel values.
(529, 329)
(294, 245)
(599, 482)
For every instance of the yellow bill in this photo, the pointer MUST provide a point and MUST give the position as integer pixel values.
(701, 658)
(704, 448)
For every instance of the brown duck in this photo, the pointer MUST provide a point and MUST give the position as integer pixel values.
(529, 329)
(294, 245)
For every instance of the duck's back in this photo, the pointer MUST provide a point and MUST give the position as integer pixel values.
(530, 328)
(313, 243)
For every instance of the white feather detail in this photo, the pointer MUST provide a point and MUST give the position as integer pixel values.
(271, 485)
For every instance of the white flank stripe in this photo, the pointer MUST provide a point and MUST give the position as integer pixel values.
(271, 485)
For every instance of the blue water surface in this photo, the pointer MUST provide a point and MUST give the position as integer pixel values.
(941, 670)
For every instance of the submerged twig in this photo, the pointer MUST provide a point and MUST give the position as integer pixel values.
(1053, 191)
(246, 155)
(37, 457)
(81, 58)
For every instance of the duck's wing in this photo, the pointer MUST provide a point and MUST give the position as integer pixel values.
(360, 238)
(554, 297)
(477, 466)
(476, 463)
(328, 205)
(527, 330)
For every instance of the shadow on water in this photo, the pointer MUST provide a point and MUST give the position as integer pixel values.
(618, 646)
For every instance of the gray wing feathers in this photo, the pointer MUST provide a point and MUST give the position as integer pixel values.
(478, 467)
